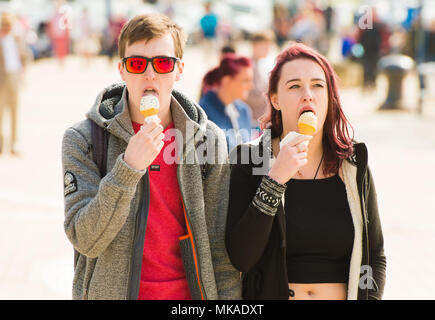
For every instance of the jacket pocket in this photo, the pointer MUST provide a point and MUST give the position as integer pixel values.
(83, 273)
(190, 267)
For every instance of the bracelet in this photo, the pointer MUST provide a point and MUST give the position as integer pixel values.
(268, 196)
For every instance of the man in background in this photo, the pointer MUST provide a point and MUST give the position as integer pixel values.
(13, 57)
(262, 64)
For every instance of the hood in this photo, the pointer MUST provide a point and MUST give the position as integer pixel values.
(110, 111)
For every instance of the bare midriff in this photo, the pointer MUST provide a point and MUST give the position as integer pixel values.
(318, 291)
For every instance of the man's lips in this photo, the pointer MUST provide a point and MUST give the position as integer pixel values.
(150, 90)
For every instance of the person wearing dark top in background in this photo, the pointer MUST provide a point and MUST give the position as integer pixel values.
(375, 42)
(303, 223)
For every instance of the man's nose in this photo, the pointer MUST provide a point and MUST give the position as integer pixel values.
(149, 73)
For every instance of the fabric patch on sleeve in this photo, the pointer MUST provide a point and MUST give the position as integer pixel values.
(70, 183)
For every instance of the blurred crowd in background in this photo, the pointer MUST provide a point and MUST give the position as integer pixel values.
(353, 32)
(358, 28)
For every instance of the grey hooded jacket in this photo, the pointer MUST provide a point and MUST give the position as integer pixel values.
(105, 218)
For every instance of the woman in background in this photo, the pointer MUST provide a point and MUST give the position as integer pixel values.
(224, 87)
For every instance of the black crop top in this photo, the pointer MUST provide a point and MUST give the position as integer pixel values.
(320, 231)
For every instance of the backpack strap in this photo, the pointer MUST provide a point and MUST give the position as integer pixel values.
(100, 141)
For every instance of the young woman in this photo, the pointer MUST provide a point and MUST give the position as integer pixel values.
(307, 226)
(224, 88)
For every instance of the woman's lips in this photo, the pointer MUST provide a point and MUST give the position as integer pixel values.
(307, 109)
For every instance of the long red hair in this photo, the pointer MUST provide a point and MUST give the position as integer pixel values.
(337, 142)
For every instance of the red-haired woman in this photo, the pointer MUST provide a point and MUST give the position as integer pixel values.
(224, 88)
(303, 220)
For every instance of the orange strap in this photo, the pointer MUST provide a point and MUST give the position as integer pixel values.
(189, 234)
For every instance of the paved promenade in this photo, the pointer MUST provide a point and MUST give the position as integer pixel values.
(36, 260)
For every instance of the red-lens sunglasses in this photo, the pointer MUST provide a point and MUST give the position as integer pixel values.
(138, 64)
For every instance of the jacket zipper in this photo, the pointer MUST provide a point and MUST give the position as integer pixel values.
(140, 221)
(191, 231)
(195, 256)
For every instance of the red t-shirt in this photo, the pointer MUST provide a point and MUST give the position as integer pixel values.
(163, 276)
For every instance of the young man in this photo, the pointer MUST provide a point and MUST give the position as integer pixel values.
(151, 228)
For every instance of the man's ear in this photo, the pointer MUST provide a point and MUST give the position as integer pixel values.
(180, 70)
(121, 70)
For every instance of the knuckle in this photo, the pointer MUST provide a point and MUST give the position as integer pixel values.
(142, 132)
(288, 148)
(149, 126)
(147, 139)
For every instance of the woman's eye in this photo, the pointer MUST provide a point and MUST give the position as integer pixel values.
(295, 86)
(318, 85)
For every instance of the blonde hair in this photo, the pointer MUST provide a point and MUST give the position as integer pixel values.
(151, 26)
